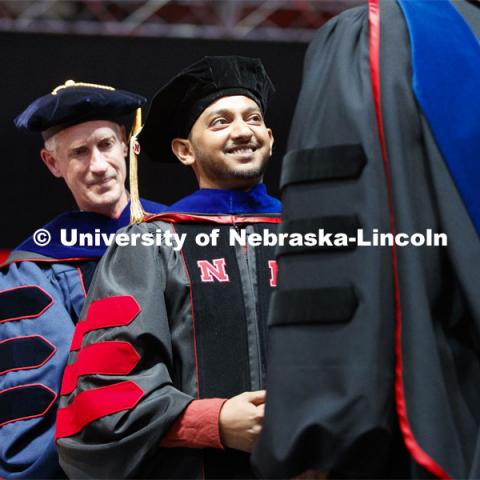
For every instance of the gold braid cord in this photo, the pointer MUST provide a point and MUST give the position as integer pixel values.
(137, 214)
(71, 83)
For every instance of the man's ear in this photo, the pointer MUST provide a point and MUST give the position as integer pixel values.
(182, 148)
(270, 134)
(50, 161)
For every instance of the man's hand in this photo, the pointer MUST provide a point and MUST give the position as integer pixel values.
(241, 420)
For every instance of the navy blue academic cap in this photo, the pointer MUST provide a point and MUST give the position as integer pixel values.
(178, 104)
(77, 102)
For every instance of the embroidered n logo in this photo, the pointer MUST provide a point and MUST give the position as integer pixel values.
(210, 271)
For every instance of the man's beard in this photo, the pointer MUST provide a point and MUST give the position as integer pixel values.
(213, 170)
(254, 172)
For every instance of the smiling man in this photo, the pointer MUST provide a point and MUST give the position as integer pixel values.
(186, 391)
(90, 157)
(43, 286)
(228, 146)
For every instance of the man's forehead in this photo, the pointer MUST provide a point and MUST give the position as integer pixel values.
(233, 103)
(87, 131)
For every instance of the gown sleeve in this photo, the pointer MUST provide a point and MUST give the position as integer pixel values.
(37, 312)
(118, 397)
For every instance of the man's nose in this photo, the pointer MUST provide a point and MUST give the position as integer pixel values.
(241, 130)
(98, 163)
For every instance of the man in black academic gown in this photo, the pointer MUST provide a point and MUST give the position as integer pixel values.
(175, 389)
(374, 351)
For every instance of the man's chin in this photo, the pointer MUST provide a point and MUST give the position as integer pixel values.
(106, 204)
(250, 172)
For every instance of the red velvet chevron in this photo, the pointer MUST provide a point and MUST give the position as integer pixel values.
(107, 358)
(106, 313)
(94, 404)
(102, 358)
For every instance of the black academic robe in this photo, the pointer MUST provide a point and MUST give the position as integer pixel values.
(373, 368)
(183, 324)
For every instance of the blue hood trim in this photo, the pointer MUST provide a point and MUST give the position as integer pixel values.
(446, 82)
(232, 202)
(85, 223)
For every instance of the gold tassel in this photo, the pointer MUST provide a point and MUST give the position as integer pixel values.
(137, 215)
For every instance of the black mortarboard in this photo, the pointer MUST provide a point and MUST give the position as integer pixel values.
(74, 103)
(177, 105)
